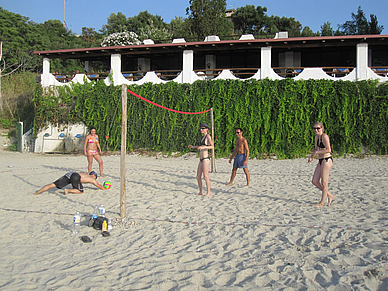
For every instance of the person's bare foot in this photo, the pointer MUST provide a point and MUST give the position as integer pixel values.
(229, 184)
(208, 195)
(199, 194)
(330, 199)
(36, 193)
(319, 205)
(66, 191)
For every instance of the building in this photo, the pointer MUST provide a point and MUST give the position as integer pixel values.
(353, 57)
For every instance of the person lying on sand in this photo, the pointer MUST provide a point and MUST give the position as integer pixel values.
(76, 180)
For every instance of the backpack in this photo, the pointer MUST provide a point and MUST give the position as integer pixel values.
(96, 223)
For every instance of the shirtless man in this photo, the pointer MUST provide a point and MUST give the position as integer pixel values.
(240, 155)
(76, 180)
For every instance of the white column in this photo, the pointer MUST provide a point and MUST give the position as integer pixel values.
(266, 69)
(188, 65)
(115, 68)
(362, 61)
(46, 76)
(46, 66)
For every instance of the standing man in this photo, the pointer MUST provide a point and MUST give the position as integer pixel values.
(240, 155)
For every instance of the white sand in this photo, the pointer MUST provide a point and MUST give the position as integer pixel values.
(257, 238)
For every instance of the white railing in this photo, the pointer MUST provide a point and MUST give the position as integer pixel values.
(297, 73)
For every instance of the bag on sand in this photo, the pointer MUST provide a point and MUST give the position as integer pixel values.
(96, 223)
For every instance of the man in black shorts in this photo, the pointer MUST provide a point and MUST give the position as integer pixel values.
(76, 180)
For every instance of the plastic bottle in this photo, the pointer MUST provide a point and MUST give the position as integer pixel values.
(95, 211)
(104, 226)
(110, 227)
(77, 223)
(101, 211)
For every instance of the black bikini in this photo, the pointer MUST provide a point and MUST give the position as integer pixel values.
(203, 143)
(322, 146)
(326, 159)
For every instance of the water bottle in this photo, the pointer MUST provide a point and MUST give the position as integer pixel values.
(110, 227)
(101, 211)
(95, 212)
(77, 223)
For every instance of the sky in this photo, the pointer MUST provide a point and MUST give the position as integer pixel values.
(87, 13)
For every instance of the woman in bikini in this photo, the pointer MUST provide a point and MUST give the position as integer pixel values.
(204, 159)
(91, 148)
(322, 171)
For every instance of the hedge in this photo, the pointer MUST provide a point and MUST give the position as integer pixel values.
(276, 115)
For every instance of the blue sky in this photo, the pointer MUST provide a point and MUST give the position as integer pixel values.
(80, 13)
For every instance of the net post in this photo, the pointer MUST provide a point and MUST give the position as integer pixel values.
(123, 149)
(213, 153)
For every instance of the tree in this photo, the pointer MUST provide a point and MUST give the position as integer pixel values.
(19, 37)
(249, 19)
(90, 37)
(207, 17)
(307, 32)
(262, 19)
(180, 27)
(145, 19)
(144, 25)
(374, 27)
(359, 25)
(276, 24)
(151, 32)
(326, 29)
(116, 23)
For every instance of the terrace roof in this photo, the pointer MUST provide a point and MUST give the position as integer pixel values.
(212, 46)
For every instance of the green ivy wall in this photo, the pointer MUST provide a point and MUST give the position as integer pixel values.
(276, 116)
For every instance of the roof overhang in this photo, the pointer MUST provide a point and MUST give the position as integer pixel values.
(213, 46)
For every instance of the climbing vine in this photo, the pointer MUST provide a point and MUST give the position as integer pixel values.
(276, 116)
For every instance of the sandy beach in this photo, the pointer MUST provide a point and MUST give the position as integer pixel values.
(266, 237)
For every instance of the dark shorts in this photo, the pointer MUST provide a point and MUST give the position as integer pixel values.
(74, 180)
(239, 161)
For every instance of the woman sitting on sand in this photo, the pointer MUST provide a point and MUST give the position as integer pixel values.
(204, 159)
(322, 171)
(91, 148)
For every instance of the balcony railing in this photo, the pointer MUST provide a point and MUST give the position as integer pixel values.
(208, 74)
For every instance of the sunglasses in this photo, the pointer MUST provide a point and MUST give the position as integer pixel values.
(238, 131)
(203, 127)
(316, 128)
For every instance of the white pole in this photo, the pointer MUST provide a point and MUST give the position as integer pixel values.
(123, 149)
